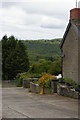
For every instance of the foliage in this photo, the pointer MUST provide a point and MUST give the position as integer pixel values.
(40, 66)
(44, 59)
(69, 81)
(44, 56)
(35, 82)
(76, 86)
(55, 68)
(60, 80)
(19, 80)
(20, 77)
(48, 84)
(43, 49)
(46, 66)
(43, 80)
(14, 58)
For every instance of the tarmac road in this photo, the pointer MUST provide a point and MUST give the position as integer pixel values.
(19, 103)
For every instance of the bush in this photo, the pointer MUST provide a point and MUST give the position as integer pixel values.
(20, 81)
(48, 84)
(20, 78)
(76, 86)
(69, 81)
(40, 67)
(55, 68)
(35, 82)
(44, 81)
(61, 80)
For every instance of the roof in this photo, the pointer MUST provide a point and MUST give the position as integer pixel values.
(65, 34)
(77, 30)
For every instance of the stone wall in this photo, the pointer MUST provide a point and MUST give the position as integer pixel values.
(65, 90)
(26, 82)
(54, 86)
(70, 51)
(35, 88)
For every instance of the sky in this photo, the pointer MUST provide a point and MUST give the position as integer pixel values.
(35, 19)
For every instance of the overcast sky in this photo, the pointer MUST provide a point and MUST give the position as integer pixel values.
(34, 19)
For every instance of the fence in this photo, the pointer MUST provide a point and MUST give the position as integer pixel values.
(9, 83)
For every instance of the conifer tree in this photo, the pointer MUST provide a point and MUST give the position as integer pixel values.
(14, 58)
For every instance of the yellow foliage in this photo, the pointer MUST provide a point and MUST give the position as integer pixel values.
(43, 80)
(42, 91)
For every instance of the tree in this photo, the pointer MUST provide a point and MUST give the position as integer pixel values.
(14, 57)
(4, 55)
(55, 67)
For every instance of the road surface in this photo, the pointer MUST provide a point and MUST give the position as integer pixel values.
(0, 101)
(19, 103)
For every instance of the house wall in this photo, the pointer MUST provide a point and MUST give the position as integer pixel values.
(70, 60)
(79, 56)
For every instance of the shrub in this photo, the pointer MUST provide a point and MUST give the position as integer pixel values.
(75, 85)
(55, 68)
(69, 81)
(40, 67)
(19, 78)
(61, 80)
(43, 81)
(48, 84)
(19, 84)
(35, 82)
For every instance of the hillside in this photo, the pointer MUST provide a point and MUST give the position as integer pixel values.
(42, 49)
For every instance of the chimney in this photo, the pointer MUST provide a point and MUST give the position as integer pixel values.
(75, 14)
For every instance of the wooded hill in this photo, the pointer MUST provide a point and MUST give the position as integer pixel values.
(43, 49)
(35, 58)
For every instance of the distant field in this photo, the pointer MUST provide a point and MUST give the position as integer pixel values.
(42, 49)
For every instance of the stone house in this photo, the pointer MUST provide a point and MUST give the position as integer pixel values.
(70, 47)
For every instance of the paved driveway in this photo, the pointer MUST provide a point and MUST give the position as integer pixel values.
(19, 103)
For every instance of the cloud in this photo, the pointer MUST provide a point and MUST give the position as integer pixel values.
(58, 8)
(17, 17)
(13, 15)
(52, 23)
(34, 19)
(79, 4)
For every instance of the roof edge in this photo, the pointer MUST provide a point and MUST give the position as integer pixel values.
(65, 34)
